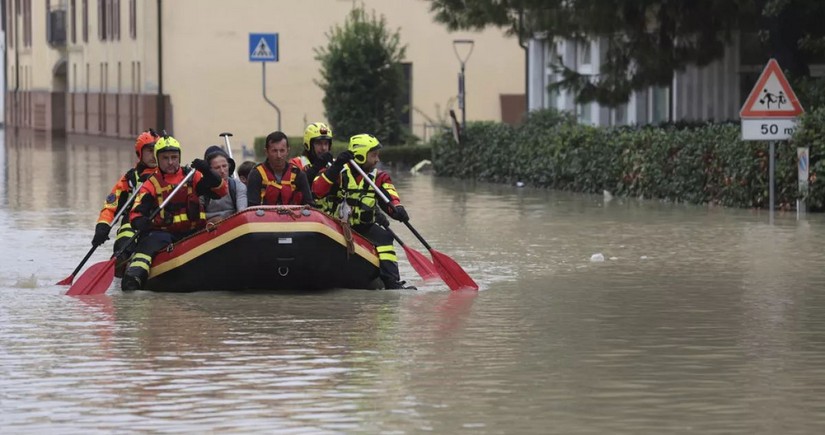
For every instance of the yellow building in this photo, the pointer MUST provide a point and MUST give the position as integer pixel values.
(113, 68)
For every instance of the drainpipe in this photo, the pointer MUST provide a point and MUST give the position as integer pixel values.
(161, 107)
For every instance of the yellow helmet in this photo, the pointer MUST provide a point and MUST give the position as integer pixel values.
(316, 130)
(361, 144)
(165, 144)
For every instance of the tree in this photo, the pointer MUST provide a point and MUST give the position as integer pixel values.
(362, 78)
(649, 40)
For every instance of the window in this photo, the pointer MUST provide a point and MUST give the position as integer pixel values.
(133, 19)
(101, 19)
(620, 115)
(27, 23)
(583, 53)
(117, 19)
(73, 19)
(584, 112)
(10, 32)
(659, 105)
(85, 20)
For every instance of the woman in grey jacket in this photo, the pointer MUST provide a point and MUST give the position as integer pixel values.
(223, 165)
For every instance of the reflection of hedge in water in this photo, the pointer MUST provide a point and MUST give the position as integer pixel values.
(404, 155)
(697, 163)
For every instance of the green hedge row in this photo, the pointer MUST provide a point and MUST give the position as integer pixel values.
(696, 163)
(403, 155)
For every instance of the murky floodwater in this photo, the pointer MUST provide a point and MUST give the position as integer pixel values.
(699, 320)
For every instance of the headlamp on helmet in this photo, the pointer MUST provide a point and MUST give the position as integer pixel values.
(314, 131)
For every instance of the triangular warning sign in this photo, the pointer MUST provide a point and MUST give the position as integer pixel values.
(772, 97)
(262, 51)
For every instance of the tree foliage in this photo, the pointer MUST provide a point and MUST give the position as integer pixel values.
(362, 78)
(649, 40)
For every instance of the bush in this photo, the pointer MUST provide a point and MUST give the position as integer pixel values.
(362, 77)
(697, 163)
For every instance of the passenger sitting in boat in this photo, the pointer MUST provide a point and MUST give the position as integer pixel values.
(315, 158)
(119, 198)
(181, 216)
(363, 150)
(277, 181)
(244, 170)
(224, 166)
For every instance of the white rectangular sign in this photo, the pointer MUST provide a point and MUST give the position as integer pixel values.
(802, 158)
(768, 129)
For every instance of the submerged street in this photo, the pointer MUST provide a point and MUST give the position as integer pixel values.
(699, 319)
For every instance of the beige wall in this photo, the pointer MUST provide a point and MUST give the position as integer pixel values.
(213, 87)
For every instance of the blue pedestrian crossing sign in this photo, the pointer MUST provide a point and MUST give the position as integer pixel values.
(263, 47)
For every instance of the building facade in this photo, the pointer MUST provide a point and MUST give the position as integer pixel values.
(711, 93)
(116, 67)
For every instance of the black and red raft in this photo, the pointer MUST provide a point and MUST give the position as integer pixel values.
(268, 248)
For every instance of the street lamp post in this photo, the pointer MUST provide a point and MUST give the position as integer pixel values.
(467, 49)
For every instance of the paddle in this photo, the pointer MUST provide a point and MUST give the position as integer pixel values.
(99, 276)
(452, 274)
(68, 280)
(419, 262)
(226, 137)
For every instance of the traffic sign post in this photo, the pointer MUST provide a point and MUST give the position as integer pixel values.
(263, 48)
(769, 114)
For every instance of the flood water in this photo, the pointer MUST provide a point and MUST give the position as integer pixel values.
(699, 320)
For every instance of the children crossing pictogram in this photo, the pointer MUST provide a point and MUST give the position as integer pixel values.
(772, 97)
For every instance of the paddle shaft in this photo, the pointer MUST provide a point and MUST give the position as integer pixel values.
(226, 137)
(155, 213)
(115, 219)
(387, 200)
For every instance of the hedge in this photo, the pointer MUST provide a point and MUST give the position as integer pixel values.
(695, 163)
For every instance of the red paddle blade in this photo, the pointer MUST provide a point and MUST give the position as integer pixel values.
(421, 264)
(452, 274)
(95, 281)
(66, 281)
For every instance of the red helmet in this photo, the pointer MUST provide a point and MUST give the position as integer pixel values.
(148, 137)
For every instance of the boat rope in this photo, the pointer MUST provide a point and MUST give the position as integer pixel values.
(344, 212)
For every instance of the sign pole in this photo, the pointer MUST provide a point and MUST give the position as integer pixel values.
(771, 171)
(263, 87)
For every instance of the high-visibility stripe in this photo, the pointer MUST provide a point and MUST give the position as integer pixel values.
(142, 261)
(386, 253)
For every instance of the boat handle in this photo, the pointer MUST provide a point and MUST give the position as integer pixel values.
(283, 270)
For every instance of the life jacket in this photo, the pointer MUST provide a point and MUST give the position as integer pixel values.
(133, 177)
(360, 196)
(183, 213)
(327, 204)
(301, 162)
(275, 193)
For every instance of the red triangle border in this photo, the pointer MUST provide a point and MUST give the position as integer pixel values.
(747, 109)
